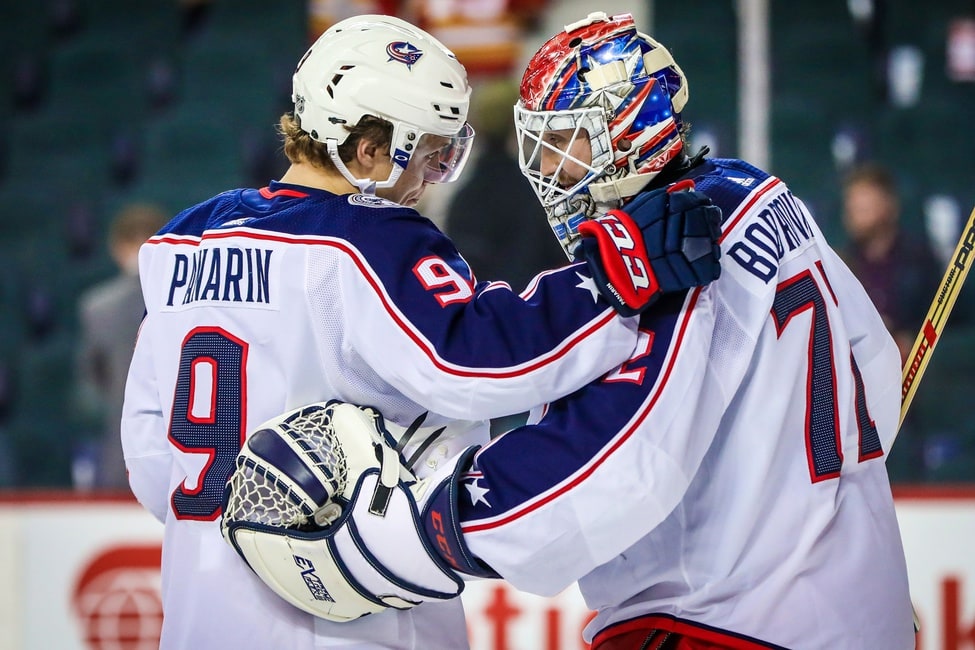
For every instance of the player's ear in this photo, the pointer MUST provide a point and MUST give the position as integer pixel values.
(369, 154)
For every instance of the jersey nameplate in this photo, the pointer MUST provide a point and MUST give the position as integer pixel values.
(231, 274)
(780, 228)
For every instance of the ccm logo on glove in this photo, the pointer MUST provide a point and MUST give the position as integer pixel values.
(440, 534)
(624, 257)
(665, 241)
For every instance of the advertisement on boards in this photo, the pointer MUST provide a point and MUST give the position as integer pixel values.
(82, 573)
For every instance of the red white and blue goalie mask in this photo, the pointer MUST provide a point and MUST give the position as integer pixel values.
(604, 81)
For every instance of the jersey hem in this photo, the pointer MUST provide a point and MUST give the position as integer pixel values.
(689, 629)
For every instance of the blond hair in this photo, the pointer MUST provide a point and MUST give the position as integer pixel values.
(301, 147)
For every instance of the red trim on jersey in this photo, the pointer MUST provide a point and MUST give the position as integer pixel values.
(434, 273)
(268, 194)
(810, 306)
(829, 287)
(211, 416)
(587, 472)
(719, 639)
(743, 209)
(210, 452)
(404, 325)
(644, 344)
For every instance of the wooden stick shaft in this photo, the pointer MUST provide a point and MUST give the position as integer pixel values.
(937, 316)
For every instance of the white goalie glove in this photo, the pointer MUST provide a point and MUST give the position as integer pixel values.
(323, 510)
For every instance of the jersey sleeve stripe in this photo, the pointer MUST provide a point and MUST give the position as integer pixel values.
(520, 370)
(586, 471)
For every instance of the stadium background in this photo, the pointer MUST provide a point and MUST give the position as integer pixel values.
(105, 102)
(109, 101)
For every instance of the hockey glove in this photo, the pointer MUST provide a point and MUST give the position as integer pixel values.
(666, 241)
(324, 511)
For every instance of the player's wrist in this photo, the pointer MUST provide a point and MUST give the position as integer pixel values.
(441, 517)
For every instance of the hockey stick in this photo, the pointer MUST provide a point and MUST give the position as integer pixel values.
(934, 324)
(937, 316)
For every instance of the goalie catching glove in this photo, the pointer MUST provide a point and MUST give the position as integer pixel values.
(665, 241)
(324, 511)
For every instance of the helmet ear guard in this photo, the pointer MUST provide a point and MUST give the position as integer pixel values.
(385, 67)
(627, 90)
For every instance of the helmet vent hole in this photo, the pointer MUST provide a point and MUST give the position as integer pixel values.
(331, 94)
(446, 84)
(336, 79)
(575, 42)
(455, 110)
(582, 73)
(436, 107)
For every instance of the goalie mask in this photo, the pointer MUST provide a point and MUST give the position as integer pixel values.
(385, 67)
(597, 118)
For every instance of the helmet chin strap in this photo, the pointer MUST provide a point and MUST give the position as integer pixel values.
(613, 192)
(365, 185)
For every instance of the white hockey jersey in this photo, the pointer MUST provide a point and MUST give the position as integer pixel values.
(260, 301)
(728, 480)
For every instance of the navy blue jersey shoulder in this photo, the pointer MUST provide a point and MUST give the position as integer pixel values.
(387, 234)
(288, 209)
(728, 181)
(319, 213)
(380, 229)
(194, 220)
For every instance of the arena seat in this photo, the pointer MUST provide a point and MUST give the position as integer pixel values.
(229, 84)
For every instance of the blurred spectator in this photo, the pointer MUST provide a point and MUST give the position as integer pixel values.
(899, 270)
(110, 314)
(493, 216)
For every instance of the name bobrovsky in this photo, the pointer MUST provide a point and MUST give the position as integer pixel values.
(781, 227)
(230, 274)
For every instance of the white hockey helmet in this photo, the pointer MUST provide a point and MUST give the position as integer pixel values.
(599, 78)
(383, 66)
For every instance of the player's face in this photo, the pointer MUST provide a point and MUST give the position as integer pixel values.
(411, 184)
(565, 147)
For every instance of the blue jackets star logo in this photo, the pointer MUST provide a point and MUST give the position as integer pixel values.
(405, 53)
(477, 493)
(589, 285)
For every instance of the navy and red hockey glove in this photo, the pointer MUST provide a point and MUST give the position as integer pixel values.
(665, 241)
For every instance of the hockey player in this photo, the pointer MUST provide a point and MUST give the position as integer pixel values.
(328, 284)
(725, 487)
